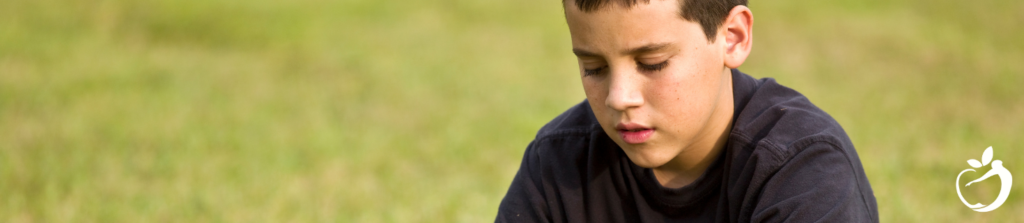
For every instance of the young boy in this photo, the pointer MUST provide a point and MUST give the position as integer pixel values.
(672, 132)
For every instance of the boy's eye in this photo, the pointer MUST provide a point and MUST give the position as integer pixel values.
(650, 67)
(595, 71)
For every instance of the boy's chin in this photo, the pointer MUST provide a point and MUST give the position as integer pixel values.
(645, 159)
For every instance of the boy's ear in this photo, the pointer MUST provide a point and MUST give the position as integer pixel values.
(739, 37)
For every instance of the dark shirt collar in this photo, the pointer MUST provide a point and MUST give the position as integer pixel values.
(743, 88)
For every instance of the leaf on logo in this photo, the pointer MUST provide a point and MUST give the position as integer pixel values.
(986, 157)
(974, 163)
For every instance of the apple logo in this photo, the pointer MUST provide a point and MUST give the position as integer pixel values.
(997, 170)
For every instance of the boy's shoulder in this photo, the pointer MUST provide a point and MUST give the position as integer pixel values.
(578, 120)
(781, 120)
(785, 152)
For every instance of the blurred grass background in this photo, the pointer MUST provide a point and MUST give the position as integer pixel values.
(419, 111)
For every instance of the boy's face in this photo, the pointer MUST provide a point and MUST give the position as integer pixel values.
(652, 78)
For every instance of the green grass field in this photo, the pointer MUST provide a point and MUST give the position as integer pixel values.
(419, 111)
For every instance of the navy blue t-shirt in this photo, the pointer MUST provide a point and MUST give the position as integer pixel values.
(786, 160)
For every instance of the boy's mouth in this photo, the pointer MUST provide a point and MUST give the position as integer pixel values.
(634, 133)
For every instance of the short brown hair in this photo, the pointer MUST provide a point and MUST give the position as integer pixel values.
(709, 13)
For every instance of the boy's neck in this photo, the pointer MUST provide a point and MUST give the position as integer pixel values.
(691, 163)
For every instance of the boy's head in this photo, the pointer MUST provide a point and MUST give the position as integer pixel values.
(656, 73)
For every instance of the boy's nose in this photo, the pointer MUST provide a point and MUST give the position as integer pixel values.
(624, 91)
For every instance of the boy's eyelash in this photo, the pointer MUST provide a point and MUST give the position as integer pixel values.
(641, 66)
(596, 71)
(654, 67)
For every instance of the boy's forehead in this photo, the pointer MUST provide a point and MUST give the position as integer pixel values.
(615, 27)
(593, 5)
(672, 7)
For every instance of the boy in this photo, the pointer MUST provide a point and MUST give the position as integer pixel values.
(672, 132)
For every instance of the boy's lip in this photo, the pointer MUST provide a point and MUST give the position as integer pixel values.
(633, 133)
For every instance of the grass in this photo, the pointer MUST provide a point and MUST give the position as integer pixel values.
(419, 111)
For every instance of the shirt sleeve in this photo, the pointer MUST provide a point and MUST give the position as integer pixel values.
(819, 184)
(524, 201)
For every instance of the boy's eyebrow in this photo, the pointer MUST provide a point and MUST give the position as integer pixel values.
(647, 48)
(634, 51)
(584, 53)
